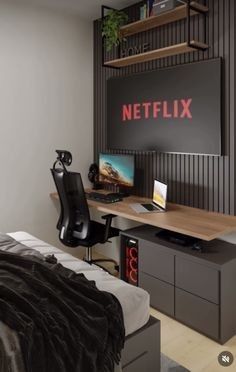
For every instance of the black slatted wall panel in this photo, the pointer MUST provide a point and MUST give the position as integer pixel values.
(200, 181)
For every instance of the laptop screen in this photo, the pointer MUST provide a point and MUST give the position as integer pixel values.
(159, 194)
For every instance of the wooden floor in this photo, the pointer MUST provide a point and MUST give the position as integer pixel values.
(191, 349)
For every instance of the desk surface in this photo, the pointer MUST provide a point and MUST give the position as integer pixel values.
(179, 218)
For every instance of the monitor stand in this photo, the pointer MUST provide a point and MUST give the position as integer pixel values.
(122, 191)
(97, 186)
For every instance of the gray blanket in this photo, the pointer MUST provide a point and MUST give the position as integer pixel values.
(10, 351)
(90, 314)
(8, 244)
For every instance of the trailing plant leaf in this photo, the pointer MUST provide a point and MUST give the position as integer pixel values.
(111, 28)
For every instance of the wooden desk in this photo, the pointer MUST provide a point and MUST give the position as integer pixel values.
(179, 218)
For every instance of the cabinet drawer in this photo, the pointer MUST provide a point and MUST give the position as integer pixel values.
(197, 279)
(161, 293)
(140, 364)
(155, 261)
(197, 313)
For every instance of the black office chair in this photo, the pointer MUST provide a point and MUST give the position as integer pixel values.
(76, 228)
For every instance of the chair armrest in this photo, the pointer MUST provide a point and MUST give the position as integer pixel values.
(108, 218)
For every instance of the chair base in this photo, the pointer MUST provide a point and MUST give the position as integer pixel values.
(88, 258)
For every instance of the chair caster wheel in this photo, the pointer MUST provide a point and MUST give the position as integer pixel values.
(117, 268)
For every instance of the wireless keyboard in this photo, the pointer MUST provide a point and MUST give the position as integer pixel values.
(104, 198)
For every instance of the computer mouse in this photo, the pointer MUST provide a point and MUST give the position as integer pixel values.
(197, 247)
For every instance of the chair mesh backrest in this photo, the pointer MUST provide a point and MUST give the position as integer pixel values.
(75, 217)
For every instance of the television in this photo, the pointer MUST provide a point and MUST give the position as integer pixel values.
(117, 170)
(173, 110)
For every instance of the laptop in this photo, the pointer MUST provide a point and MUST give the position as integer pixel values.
(158, 201)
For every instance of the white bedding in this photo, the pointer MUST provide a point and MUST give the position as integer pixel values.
(134, 300)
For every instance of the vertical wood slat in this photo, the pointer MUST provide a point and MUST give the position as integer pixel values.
(232, 105)
(201, 181)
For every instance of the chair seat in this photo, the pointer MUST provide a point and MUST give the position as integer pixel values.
(97, 233)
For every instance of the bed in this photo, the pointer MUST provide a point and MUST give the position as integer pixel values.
(142, 343)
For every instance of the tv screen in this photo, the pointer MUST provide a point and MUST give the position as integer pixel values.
(176, 110)
(116, 170)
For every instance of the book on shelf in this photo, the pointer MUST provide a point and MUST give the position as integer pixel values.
(149, 7)
(143, 11)
(146, 9)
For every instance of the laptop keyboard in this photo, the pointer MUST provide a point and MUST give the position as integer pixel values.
(150, 207)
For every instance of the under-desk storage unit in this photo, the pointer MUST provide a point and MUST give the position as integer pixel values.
(197, 289)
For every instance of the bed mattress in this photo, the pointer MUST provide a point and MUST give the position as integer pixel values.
(134, 301)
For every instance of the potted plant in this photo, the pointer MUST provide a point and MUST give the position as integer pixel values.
(111, 28)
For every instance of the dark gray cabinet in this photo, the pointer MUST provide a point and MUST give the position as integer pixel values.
(197, 289)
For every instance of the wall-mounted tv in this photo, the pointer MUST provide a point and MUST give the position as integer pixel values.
(176, 110)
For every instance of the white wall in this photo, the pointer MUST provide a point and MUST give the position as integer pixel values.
(46, 78)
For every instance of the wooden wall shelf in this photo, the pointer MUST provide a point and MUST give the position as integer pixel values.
(157, 54)
(182, 12)
(162, 19)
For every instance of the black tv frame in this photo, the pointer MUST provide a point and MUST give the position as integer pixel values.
(221, 134)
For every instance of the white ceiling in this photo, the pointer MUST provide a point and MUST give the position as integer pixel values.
(89, 9)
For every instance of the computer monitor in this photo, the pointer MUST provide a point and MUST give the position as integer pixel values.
(117, 170)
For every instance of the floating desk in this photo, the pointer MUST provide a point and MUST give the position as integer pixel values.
(179, 218)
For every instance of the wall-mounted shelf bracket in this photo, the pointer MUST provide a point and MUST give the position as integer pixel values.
(192, 7)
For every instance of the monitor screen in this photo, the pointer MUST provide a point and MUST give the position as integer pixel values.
(160, 194)
(116, 170)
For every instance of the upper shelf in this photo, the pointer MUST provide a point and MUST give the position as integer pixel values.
(162, 19)
(156, 54)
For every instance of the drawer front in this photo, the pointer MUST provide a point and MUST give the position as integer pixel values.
(143, 343)
(197, 279)
(197, 313)
(161, 293)
(140, 364)
(155, 261)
